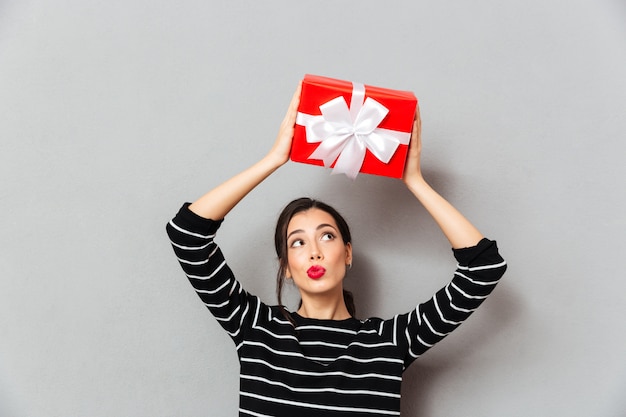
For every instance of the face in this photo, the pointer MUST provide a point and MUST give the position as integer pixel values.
(316, 254)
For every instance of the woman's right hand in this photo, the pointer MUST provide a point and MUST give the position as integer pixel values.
(282, 146)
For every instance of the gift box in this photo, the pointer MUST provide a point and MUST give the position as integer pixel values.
(352, 127)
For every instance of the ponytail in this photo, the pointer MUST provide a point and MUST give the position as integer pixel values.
(348, 298)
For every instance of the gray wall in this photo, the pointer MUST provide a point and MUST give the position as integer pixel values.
(114, 113)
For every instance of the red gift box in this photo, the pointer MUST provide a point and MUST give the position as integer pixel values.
(353, 127)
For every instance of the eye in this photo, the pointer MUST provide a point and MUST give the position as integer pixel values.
(328, 236)
(296, 243)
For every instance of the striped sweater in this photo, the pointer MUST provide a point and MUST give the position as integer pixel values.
(324, 367)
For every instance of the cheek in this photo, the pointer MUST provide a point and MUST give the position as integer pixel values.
(294, 259)
(341, 252)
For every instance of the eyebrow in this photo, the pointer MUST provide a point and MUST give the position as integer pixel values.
(321, 226)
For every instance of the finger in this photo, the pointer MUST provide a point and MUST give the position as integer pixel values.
(417, 124)
(418, 118)
(295, 100)
(292, 111)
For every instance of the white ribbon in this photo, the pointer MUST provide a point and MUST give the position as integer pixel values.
(345, 133)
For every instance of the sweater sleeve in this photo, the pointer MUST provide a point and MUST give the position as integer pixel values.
(478, 271)
(192, 238)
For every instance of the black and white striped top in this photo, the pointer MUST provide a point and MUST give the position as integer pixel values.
(324, 367)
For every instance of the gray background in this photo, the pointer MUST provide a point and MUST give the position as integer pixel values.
(114, 113)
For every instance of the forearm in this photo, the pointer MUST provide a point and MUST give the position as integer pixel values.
(219, 201)
(457, 229)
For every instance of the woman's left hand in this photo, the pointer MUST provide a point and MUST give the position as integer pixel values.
(412, 168)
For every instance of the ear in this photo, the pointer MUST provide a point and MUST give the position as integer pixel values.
(348, 253)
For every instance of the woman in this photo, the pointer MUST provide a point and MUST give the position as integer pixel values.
(320, 360)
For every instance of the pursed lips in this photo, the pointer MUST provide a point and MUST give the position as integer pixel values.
(316, 271)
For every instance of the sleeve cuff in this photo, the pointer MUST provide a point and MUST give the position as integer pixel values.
(192, 221)
(486, 250)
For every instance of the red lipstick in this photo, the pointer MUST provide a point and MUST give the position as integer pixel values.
(316, 272)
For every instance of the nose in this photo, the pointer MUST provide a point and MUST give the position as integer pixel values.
(316, 254)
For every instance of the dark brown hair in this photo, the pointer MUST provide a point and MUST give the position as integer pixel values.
(280, 242)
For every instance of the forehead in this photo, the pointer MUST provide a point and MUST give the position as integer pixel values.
(310, 219)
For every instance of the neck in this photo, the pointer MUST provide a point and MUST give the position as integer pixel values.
(323, 310)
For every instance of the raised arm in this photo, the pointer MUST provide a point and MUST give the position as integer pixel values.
(457, 229)
(219, 201)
